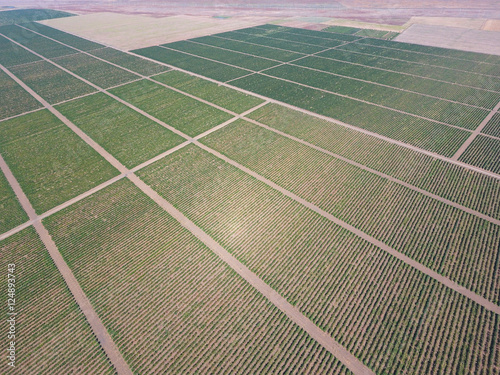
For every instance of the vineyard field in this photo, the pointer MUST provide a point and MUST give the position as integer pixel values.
(180, 111)
(28, 15)
(127, 135)
(458, 184)
(341, 30)
(340, 281)
(493, 126)
(11, 212)
(418, 132)
(222, 96)
(48, 314)
(18, 101)
(50, 82)
(193, 64)
(134, 63)
(98, 72)
(13, 55)
(51, 163)
(200, 315)
(484, 152)
(313, 33)
(46, 47)
(420, 105)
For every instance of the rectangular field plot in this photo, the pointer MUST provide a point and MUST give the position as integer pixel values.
(52, 334)
(364, 298)
(351, 53)
(435, 109)
(27, 15)
(493, 126)
(200, 316)
(422, 228)
(207, 68)
(45, 47)
(222, 96)
(466, 187)
(483, 152)
(224, 56)
(418, 132)
(15, 99)
(341, 30)
(12, 54)
(467, 95)
(253, 49)
(61, 36)
(50, 82)
(128, 61)
(186, 114)
(11, 212)
(315, 33)
(129, 136)
(96, 71)
(51, 163)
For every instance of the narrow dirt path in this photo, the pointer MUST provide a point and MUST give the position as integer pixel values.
(476, 132)
(81, 299)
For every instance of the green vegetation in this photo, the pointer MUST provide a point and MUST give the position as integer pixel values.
(471, 189)
(131, 62)
(224, 56)
(306, 32)
(341, 30)
(200, 313)
(338, 280)
(483, 152)
(50, 82)
(96, 71)
(17, 100)
(28, 15)
(222, 96)
(493, 126)
(45, 47)
(129, 136)
(52, 334)
(12, 54)
(51, 163)
(380, 34)
(11, 212)
(72, 40)
(197, 65)
(188, 115)
(415, 131)
(385, 210)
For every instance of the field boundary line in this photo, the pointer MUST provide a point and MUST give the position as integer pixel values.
(22, 114)
(98, 328)
(335, 121)
(404, 258)
(378, 173)
(286, 30)
(476, 132)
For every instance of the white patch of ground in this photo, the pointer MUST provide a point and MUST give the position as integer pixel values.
(466, 23)
(452, 37)
(126, 32)
(492, 25)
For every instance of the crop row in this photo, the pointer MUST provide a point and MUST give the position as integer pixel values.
(222, 96)
(420, 105)
(16, 100)
(367, 46)
(306, 32)
(96, 71)
(11, 212)
(352, 54)
(371, 303)
(193, 64)
(69, 39)
(28, 15)
(51, 163)
(412, 130)
(189, 115)
(170, 304)
(52, 335)
(50, 82)
(11, 54)
(493, 126)
(443, 238)
(35, 42)
(483, 152)
(467, 95)
(228, 57)
(129, 136)
(458, 184)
